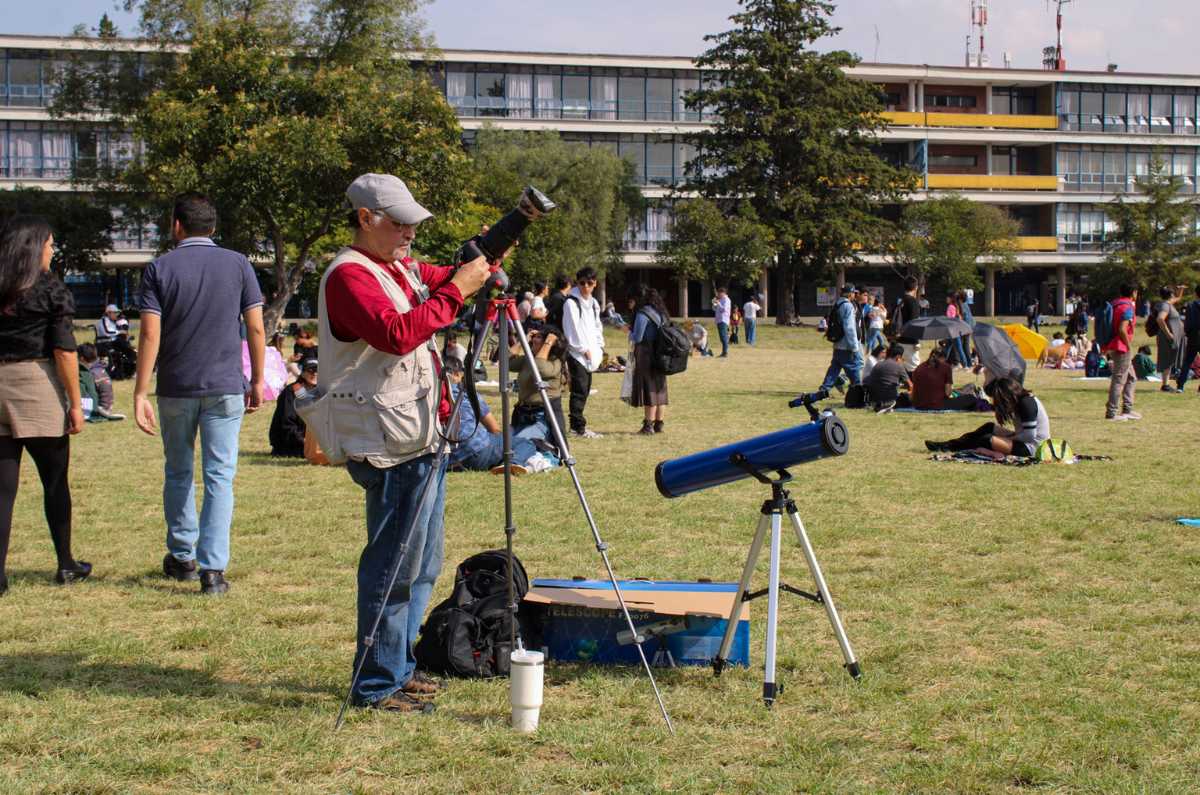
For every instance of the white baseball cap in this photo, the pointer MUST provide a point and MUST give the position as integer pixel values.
(386, 194)
(111, 308)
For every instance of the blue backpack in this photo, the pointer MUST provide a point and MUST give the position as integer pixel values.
(1105, 321)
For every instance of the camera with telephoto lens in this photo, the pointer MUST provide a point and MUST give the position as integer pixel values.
(503, 235)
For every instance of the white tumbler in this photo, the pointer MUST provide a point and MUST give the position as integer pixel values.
(525, 689)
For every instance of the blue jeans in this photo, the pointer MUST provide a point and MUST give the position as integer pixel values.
(219, 420)
(751, 329)
(875, 338)
(491, 452)
(849, 360)
(393, 498)
(723, 333)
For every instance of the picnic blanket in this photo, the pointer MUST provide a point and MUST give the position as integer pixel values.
(981, 456)
(1188, 522)
(910, 410)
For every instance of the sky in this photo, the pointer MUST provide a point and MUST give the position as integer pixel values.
(1156, 36)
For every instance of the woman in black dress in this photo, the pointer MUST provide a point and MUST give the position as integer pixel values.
(649, 384)
(40, 404)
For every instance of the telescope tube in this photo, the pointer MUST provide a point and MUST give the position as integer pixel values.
(821, 438)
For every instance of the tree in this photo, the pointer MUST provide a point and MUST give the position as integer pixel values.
(594, 189)
(273, 116)
(1155, 242)
(82, 227)
(947, 239)
(719, 248)
(794, 133)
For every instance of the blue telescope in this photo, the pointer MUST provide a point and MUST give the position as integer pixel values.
(824, 436)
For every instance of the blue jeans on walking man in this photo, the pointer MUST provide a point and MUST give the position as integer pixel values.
(219, 420)
(723, 333)
(751, 330)
(849, 360)
(393, 498)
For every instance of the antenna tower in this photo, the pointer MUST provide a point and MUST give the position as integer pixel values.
(979, 18)
(1053, 56)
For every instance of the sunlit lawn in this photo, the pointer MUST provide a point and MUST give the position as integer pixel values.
(1017, 627)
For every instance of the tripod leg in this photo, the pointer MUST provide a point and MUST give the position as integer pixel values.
(769, 687)
(826, 598)
(601, 547)
(722, 659)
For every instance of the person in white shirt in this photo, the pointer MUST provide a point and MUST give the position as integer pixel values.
(750, 311)
(721, 306)
(106, 329)
(585, 345)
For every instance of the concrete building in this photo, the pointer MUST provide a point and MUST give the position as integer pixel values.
(1051, 148)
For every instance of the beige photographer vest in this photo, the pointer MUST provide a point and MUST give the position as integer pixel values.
(374, 406)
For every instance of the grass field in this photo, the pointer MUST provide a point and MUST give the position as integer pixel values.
(1019, 628)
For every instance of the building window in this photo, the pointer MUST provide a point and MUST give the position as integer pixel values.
(460, 92)
(1160, 113)
(950, 100)
(1068, 169)
(518, 96)
(24, 82)
(953, 161)
(1139, 113)
(575, 100)
(1114, 171)
(1114, 112)
(1091, 111)
(632, 98)
(660, 161)
(604, 97)
(659, 99)
(1185, 114)
(1068, 110)
(682, 87)
(548, 101)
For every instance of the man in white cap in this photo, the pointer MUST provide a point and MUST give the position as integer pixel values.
(107, 329)
(379, 413)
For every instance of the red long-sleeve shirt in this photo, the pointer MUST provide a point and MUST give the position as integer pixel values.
(358, 308)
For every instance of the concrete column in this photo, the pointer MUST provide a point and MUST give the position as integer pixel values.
(1060, 292)
(683, 297)
(921, 96)
(912, 95)
(987, 97)
(989, 158)
(989, 292)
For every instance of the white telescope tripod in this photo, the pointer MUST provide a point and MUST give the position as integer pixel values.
(772, 518)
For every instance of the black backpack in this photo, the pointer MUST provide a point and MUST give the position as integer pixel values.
(672, 347)
(834, 329)
(468, 634)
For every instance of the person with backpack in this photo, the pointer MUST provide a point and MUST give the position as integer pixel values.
(842, 331)
(1114, 332)
(649, 381)
(584, 333)
(1191, 330)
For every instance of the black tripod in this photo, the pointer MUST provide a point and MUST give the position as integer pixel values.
(771, 518)
(502, 317)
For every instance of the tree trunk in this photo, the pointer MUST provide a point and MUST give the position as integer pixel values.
(278, 300)
(785, 288)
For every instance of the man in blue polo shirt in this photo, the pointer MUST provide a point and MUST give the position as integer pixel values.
(192, 300)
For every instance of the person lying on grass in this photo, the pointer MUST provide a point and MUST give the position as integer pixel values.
(1015, 406)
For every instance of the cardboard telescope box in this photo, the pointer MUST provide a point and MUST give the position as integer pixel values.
(681, 623)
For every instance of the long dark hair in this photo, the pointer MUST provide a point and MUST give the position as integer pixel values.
(1006, 394)
(648, 297)
(21, 243)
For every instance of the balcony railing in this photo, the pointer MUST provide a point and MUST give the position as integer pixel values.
(991, 182)
(994, 120)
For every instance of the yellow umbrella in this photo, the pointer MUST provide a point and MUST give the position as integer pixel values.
(1029, 342)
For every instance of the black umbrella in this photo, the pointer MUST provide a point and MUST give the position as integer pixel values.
(998, 352)
(936, 327)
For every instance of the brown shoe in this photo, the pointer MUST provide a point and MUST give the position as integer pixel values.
(402, 702)
(422, 686)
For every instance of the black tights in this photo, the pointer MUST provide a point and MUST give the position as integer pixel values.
(980, 437)
(52, 455)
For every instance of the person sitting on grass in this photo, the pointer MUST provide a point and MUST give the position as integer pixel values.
(287, 430)
(529, 421)
(1143, 364)
(1015, 406)
(933, 386)
(877, 355)
(699, 335)
(480, 446)
(89, 357)
(886, 378)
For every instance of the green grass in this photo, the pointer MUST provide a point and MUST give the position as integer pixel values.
(1033, 628)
